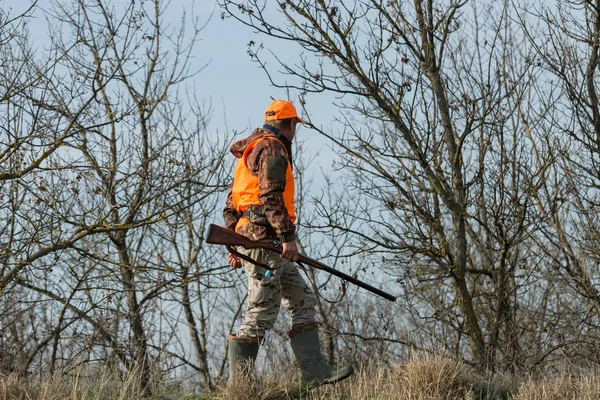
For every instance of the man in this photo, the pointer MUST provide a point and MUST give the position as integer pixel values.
(260, 206)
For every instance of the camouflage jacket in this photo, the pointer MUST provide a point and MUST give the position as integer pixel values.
(270, 190)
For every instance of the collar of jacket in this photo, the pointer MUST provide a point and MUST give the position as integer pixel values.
(278, 134)
(281, 137)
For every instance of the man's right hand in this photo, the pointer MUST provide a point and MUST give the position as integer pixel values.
(234, 261)
(290, 251)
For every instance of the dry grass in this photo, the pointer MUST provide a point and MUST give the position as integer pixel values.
(279, 385)
(421, 378)
(583, 387)
(83, 386)
(15, 387)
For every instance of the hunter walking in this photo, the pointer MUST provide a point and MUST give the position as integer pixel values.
(260, 206)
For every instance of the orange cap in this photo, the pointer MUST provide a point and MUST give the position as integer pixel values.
(282, 109)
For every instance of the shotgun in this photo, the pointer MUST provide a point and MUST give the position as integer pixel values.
(219, 235)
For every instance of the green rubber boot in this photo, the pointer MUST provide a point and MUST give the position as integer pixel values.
(241, 356)
(315, 371)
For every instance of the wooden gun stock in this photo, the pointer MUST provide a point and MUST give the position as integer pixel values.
(219, 235)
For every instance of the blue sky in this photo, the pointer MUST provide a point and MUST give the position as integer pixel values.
(235, 86)
(238, 89)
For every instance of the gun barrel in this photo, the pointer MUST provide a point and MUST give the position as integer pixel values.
(346, 277)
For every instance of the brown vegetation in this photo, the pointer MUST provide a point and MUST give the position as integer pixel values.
(88, 385)
(468, 140)
(428, 377)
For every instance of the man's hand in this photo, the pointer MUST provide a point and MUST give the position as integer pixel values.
(290, 251)
(234, 261)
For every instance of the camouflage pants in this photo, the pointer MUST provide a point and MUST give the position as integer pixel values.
(286, 286)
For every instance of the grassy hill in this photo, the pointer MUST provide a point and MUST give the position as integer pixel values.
(429, 378)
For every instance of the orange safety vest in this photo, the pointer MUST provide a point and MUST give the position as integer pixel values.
(245, 191)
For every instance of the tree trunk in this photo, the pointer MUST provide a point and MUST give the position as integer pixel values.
(141, 360)
(199, 345)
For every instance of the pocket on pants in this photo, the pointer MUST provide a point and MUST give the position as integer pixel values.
(260, 294)
(253, 271)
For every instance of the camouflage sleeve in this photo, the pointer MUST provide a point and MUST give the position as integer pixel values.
(269, 163)
(230, 214)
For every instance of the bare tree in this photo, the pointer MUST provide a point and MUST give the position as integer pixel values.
(104, 159)
(570, 54)
(440, 184)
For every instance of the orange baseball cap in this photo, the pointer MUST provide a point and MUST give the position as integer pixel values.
(282, 109)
